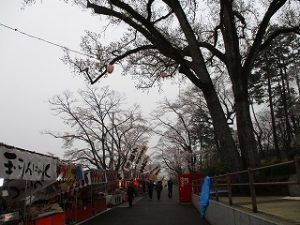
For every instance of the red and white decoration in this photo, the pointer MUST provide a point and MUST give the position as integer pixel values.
(163, 74)
(110, 68)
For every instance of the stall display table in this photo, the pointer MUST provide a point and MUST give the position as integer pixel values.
(79, 214)
(100, 205)
(50, 218)
(113, 200)
(85, 212)
(124, 197)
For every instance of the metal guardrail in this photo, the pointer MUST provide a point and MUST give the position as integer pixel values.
(226, 180)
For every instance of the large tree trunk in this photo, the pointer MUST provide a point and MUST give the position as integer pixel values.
(247, 142)
(246, 137)
(239, 81)
(228, 150)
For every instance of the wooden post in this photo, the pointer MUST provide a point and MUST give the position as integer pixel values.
(252, 189)
(92, 201)
(216, 189)
(229, 189)
(193, 187)
(297, 165)
(76, 204)
(25, 209)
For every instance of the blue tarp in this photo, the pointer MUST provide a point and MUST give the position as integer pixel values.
(204, 195)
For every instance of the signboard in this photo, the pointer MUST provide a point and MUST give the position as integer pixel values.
(94, 177)
(22, 165)
(111, 175)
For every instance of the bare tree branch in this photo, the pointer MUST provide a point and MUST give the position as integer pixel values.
(278, 32)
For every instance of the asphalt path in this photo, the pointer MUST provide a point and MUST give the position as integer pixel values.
(151, 212)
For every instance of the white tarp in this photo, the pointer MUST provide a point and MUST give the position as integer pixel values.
(17, 164)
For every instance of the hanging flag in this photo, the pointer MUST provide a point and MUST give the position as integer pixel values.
(144, 163)
(141, 155)
(130, 159)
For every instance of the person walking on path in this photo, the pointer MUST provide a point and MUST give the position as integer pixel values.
(130, 193)
(158, 189)
(150, 188)
(170, 188)
(3, 204)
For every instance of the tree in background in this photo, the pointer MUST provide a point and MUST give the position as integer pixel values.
(274, 83)
(107, 132)
(187, 138)
(176, 142)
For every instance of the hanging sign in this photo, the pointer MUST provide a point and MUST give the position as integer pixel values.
(98, 176)
(17, 164)
(130, 159)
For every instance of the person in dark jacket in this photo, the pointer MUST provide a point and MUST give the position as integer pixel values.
(170, 188)
(158, 189)
(150, 188)
(130, 193)
(3, 205)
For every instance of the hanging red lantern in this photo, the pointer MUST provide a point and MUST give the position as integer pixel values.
(110, 68)
(163, 74)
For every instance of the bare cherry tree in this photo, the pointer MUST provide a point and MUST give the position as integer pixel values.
(106, 132)
(186, 129)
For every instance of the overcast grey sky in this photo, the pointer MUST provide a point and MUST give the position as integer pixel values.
(31, 71)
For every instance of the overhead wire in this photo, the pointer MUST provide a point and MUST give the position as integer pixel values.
(46, 41)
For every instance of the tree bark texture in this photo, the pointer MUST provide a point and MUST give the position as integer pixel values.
(239, 79)
(228, 150)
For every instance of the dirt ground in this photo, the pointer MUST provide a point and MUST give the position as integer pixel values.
(287, 208)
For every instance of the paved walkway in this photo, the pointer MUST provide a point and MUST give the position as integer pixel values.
(151, 212)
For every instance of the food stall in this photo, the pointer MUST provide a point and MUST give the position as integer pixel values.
(114, 192)
(25, 173)
(42, 190)
(83, 198)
